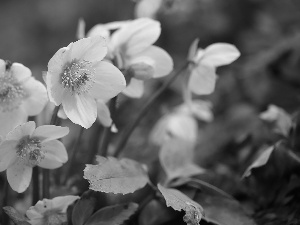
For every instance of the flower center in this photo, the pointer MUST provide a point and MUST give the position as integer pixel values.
(29, 150)
(11, 93)
(78, 77)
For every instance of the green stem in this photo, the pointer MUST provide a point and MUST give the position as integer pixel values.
(35, 185)
(130, 128)
(46, 172)
(105, 138)
(72, 157)
(5, 218)
(94, 144)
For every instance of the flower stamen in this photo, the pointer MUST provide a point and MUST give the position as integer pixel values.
(29, 150)
(78, 77)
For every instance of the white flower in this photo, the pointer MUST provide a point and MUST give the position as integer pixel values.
(203, 74)
(26, 147)
(175, 125)
(77, 77)
(131, 47)
(50, 212)
(278, 118)
(21, 95)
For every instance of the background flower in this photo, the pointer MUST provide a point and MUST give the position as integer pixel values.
(26, 147)
(21, 95)
(50, 211)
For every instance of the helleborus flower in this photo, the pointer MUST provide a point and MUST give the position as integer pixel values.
(131, 48)
(280, 120)
(147, 8)
(26, 147)
(50, 211)
(199, 109)
(77, 77)
(21, 95)
(175, 125)
(203, 73)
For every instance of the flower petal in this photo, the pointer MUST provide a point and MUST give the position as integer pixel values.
(9, 120)
(50, 132)
(80, 109)
(99, 30)
(20, 72)
(158, 58)
(56, 66)
(21, 131)
(19, 176)
(103, 114)
(135, 88)
(108, 81)
(136, 36)
(202, 80)
(90, 49)
(220, 54)
(61, 203)
(37, 96)
(55, 155)
(2, 66)
(7, 154)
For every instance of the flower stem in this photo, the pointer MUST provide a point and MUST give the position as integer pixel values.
(72, 157)
(35, 185)
(105, 138)
(130, 128)
(5, 218)
(46, 172)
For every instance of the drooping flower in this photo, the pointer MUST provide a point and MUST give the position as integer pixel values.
(278, 118)
(203, 73)
(21, 95)
(77, 77)
(26, 147)
(131, 48)
(50, 212)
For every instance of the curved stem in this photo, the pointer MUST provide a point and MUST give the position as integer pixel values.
(74, 150)
(46, 172)
(105, 138)
(130, 128)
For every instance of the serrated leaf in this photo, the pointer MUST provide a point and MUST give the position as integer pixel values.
(112, 215)
(179, 201)
(261, 160)
(116, 176)
(176, 157)
(222, 211)
(83, 209)
(15, 216)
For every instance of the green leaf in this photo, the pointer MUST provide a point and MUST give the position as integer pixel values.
(116, 176)
(113, 215)
(261, 160)
(83, 209)
(176, 157)
(222, 210)
(15, 216)
(179, 201)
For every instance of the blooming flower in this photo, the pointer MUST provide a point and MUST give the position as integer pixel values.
(21, 95)
(51, 212)
(203, 73)
(77, 77)
(26, 147)
(131, 47)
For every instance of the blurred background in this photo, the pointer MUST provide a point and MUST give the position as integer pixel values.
(267, 32)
